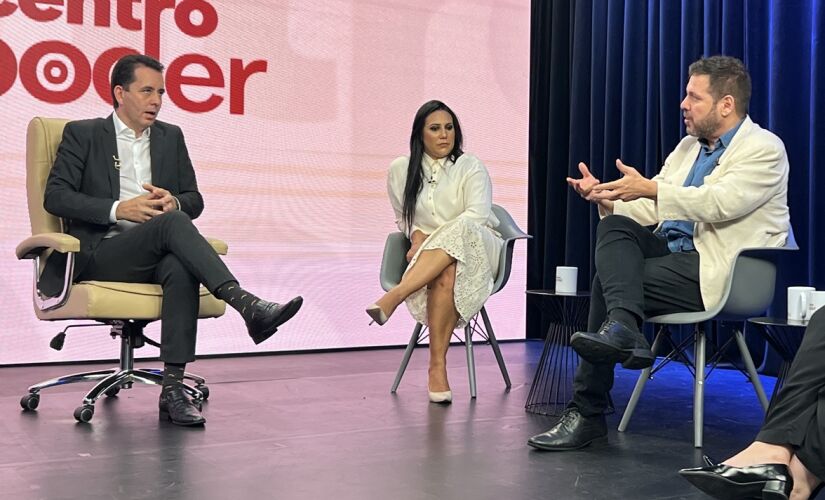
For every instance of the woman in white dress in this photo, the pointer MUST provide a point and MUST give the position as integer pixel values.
(442, 198)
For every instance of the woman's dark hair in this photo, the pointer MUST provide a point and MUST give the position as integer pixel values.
(415, 179)
(124, 71)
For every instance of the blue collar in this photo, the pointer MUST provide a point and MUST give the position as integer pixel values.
(725, 139)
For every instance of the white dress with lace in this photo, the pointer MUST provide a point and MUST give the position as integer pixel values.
(454, 209)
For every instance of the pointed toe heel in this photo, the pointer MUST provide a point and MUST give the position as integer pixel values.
(441, 397)
(377, 314)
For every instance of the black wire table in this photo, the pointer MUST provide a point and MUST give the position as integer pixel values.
(552, 386)
(785, 336)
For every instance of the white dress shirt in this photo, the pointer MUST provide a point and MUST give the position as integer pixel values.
(135, 170)
(450, 190)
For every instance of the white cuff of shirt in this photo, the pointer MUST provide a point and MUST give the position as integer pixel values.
(113, 212)
(177, 201)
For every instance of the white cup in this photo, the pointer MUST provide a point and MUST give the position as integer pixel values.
(566, 278)
(798, 299)
(815, 301)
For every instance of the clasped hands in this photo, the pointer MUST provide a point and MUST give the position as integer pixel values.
(632, 185)
(144, 207)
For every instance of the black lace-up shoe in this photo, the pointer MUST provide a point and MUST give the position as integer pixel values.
(174, 405)
(614, 343)
(571, 432)
(268, 316)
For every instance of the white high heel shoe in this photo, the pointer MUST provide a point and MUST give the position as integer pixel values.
(442, 397)
(377, 314)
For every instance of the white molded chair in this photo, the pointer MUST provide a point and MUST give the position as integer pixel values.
(748, 293)
(393, 265)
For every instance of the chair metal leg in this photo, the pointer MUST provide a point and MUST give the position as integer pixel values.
(71, 379)
(471, 364)
(117, 379)
(491, 336)
(640, 386)
(196, 379)
(699, 389)
(751, 368)
(634, 399)
(407, 354)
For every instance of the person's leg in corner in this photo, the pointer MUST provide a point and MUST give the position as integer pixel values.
(442, 318)
(670, 284)
(792, 439)
(622, 247)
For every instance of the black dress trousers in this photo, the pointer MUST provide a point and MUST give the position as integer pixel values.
(167, 250)
(797, 417)
(635, 271)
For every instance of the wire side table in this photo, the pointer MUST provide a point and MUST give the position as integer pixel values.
(785, 336)
(552, 386)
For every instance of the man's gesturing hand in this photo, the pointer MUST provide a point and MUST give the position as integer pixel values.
(584, 185)
(631, 186)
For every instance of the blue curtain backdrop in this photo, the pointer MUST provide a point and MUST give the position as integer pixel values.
(606, 81)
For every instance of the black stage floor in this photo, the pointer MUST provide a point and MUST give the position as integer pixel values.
(317, 426)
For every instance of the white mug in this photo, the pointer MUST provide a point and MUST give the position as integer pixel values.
(798, 298)
(815, 301)
(566, 278)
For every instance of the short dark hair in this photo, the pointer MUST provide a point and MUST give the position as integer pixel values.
(728, 76)
(124, 71)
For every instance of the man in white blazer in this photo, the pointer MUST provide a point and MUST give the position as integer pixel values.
(722, 189)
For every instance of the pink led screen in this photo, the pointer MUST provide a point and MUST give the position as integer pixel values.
(292, 112)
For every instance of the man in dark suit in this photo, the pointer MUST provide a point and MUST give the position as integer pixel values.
(125, 187)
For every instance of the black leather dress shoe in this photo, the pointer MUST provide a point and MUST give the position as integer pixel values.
(766, 481)
(268, 316)
(614, 343)
(573, 431)
(174, 405)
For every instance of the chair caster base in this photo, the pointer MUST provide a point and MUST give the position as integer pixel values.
(30, 401)
(84, 413)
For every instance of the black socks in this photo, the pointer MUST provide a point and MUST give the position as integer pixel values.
(625, 317)
(172, 375)
(240, 300)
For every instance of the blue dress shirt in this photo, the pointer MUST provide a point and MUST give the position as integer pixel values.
(679, 233)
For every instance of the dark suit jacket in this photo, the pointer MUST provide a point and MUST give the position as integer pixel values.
(83, 184)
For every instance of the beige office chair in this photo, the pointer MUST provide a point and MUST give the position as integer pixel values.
(126, 307)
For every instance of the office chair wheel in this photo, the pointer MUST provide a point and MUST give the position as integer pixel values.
(30, 401)
(204, 390)
(84, 413)
(112, 391)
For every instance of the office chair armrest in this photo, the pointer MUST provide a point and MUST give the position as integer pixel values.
(220, 246)
(33, 246)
